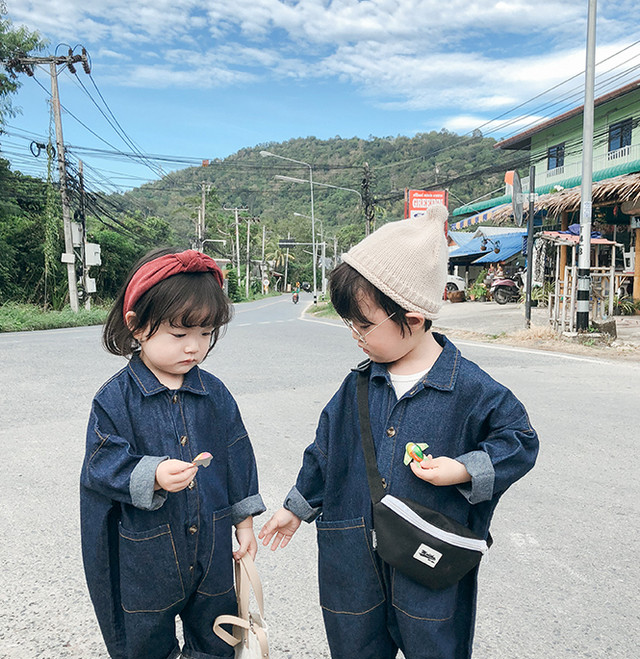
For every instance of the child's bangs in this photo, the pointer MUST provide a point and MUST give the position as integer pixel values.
(348, 289)
(196, 301)
(195, 315)
(185, 300)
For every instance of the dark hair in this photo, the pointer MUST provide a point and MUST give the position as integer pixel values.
(347, 287)
(189, 299)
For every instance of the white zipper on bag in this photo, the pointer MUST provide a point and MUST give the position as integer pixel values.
(410, 516)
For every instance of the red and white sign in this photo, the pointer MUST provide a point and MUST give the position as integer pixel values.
(416, 202)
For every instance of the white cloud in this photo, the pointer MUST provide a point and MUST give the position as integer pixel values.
(406, 54)
(465, 123)
(198, 77)
(349, 21)
(112, 54)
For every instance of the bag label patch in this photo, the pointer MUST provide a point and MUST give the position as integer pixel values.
(427, 555)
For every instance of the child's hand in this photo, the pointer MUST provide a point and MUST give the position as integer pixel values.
(441, 471)
(282, 525)
(174, 475)
(246, 539)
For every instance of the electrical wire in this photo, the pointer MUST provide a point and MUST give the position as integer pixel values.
(559, 103)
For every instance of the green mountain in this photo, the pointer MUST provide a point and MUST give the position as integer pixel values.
(469, 167)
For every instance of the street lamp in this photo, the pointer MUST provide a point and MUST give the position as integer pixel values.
(268, 154)
(323, 185)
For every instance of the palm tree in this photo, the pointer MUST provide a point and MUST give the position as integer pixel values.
(277, 257)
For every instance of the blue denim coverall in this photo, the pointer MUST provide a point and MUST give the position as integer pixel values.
(370, 610)
(151, 555)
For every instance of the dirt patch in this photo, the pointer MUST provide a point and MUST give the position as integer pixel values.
(544, 338)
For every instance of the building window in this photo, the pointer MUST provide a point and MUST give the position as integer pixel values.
(619, 135)
(555, 156)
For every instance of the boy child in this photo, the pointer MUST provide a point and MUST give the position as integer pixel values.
(421, 390)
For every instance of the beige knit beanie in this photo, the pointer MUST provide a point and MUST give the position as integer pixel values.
(407, 260)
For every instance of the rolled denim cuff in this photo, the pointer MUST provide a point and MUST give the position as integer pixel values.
(249, 507)
(298, 505)
(480, 468)
(142, 483)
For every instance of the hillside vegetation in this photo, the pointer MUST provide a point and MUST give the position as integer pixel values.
(468, 166)
(164, 212)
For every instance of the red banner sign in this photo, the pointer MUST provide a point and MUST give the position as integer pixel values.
(416, 202)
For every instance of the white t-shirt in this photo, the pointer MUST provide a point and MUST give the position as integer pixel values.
(403, 383)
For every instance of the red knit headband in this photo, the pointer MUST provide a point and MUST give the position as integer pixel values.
(163, 267)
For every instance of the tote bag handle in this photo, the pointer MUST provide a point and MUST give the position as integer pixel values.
(247, 578)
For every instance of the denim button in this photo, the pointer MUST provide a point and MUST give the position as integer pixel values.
(175, 398)
(193, 529)
(391, 432)
(191, 485)
(183, 440)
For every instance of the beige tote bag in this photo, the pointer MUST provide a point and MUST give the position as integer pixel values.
(249, 636)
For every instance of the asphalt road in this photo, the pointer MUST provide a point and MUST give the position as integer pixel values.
(560, 582)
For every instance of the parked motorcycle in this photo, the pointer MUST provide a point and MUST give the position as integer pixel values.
(505, 290)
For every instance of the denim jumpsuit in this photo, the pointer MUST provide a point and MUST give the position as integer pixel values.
(370, 610)
(151, 555)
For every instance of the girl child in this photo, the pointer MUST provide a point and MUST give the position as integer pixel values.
(157, 529)
(421, 390)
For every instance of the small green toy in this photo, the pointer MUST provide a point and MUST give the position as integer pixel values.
(415, 452)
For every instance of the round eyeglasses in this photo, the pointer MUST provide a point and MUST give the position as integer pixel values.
(358, 333)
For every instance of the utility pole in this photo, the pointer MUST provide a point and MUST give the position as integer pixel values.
(263, 265)
(584, 246)
(69, 60)
(246, 283)
(200, 222)
(367, 201)
(237, 222)
(530, 221)
(69, 256)
(324, 268)
(83, 238)
(286, 263)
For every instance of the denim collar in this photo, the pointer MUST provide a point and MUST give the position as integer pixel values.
(442, 375)
(150, 385)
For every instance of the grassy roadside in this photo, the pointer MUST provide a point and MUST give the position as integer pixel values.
(322, 310)
(19, 317)
(16, 317)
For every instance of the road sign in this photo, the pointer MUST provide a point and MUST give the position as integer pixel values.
(286, 243)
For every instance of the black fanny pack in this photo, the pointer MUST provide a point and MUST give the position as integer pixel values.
(426, 545)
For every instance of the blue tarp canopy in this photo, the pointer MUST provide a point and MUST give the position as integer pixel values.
(461, 237)
(510, 245)
(470, 251)
(473, 252)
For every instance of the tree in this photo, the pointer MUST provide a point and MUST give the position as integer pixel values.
(15, 43)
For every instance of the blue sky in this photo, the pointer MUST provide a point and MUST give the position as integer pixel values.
(203, 78)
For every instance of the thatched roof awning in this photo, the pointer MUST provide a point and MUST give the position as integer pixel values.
(604, 193)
